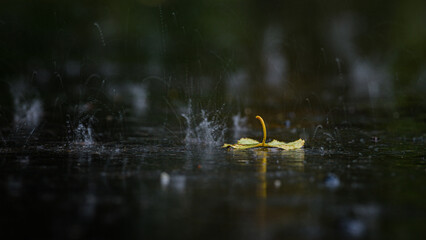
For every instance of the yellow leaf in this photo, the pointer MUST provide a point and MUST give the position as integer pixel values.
(286, 146)
(245, 143)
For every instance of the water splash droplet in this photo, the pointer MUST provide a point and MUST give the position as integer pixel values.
(203, 128)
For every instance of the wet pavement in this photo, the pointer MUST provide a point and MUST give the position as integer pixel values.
(351, 185)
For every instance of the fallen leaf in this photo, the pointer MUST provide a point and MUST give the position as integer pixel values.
(246, 143)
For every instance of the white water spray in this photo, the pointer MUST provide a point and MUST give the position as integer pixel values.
(80, 132)
(84, 134)
(203, 128)
(28, 109)
(28, 114)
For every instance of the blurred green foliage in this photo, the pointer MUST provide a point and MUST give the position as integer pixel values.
(196, 48)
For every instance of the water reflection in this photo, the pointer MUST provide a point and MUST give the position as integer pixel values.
(294, 159)
(261, 190)
(262, 169)
(277, 160)
(258, 194)
(274, 161)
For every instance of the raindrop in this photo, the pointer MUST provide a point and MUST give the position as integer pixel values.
(354, 228)
(164, 179)
(101, 34)
(277, 183)
(288, 124)
(332, 181)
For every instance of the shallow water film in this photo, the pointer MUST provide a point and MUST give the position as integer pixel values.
(113, 116)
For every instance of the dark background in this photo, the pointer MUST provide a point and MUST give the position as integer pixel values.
(79, 60)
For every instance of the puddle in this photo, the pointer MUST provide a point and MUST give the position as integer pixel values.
(346, 187)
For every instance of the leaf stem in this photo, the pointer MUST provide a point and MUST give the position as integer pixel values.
(263, 128)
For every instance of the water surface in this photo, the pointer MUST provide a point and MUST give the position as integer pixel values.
(346, 184)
